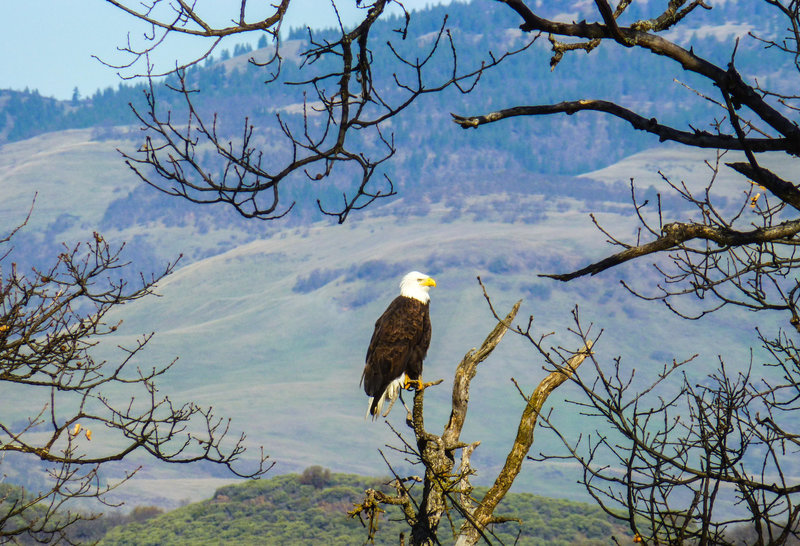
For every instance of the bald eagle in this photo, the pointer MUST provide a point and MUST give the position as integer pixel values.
(399, 343)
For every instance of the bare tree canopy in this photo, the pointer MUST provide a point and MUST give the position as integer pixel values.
(347, 94)
(77, 414)
(347, 102)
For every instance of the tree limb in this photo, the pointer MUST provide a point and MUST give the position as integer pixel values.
(611, 23)
(677, 233)
(437, 452)
(466, 372)
(699, 139)
(206, 30)
(730, 81)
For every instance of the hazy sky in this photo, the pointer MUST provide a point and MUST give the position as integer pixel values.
(48, 44)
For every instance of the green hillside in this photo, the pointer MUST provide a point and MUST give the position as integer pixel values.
(311, 509)
(271, 322)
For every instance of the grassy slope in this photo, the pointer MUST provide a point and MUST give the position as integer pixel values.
(69, 172)
(286, 364)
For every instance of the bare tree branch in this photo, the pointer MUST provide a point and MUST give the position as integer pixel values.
(785, 191)
(676, 234)
(50, 323)
(688, 60)
(699, 139)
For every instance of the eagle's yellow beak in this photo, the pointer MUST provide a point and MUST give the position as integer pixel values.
(428, 282)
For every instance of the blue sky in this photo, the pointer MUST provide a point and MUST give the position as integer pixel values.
(48, 44)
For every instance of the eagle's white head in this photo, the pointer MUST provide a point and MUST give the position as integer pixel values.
(416, 285)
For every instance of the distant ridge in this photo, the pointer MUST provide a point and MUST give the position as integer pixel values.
(235, 89)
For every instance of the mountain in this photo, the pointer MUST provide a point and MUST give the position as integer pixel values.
(271, 320)
(234, 89)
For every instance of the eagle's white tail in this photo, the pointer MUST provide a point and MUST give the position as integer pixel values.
(391, 393)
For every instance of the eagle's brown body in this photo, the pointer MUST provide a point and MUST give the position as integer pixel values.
(398, 346)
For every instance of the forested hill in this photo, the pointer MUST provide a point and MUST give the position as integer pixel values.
(311, 508)
(236, 89)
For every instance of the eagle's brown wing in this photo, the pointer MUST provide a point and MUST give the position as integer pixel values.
(399, 344)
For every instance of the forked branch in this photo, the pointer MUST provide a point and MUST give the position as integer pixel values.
(484, 512)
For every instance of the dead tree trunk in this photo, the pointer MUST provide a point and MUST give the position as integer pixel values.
(437, 453)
